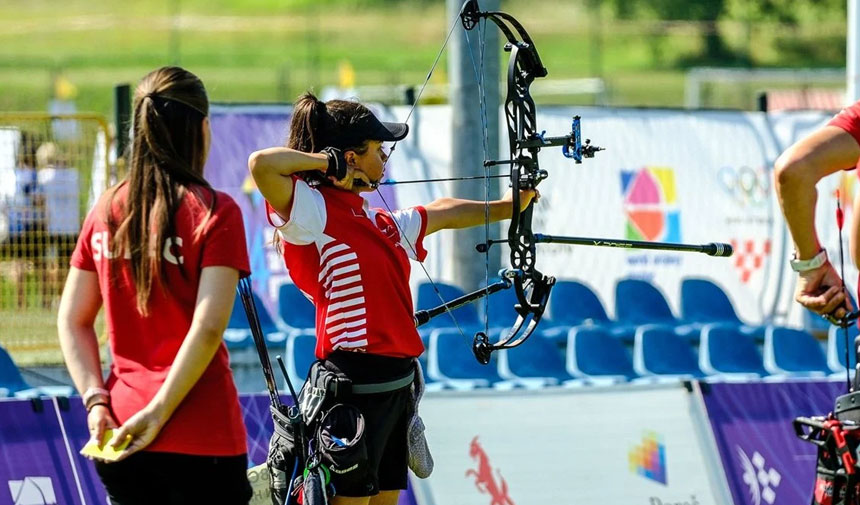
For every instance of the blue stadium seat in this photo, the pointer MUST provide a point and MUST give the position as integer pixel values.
(593, 354)
(238, 333)
(300, 354)
(430, 384)
(703, 301)
(788, 351)
(836, 348)
(814, 323)
(573, 303)
(657, 350)
(450, 360)
(500, 307)
(295, 310)
(467, 316)
(534, 364)
(817, 325)
(640, 302)
(11, 380)
(726, 351)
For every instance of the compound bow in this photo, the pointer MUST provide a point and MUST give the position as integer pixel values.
(531, 286)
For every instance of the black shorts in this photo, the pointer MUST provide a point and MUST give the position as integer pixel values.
(166, 478)
(386, 416)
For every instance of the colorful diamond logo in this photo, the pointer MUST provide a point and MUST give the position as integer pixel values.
(650, 205)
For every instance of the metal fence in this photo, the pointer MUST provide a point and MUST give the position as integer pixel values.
(52, 168)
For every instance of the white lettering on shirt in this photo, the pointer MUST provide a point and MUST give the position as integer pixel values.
(100, 243)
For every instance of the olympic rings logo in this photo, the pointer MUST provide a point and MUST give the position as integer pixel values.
(748, 186)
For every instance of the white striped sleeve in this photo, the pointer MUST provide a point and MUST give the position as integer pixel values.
(412, 223)
(307, 216)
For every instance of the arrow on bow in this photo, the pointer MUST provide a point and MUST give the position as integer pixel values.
(532, 287)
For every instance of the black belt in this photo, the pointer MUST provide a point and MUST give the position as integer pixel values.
(384, 387)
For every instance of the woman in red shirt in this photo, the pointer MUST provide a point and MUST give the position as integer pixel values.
(353, 262)
(162, 252)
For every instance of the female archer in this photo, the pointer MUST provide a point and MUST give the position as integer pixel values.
(353, 262)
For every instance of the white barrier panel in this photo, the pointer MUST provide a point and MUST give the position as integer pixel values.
(614, 446)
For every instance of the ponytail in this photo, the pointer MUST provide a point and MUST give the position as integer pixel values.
(167, 157)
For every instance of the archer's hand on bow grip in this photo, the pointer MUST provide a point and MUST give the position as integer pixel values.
(526, 196)
(336, 163)
(820, 290)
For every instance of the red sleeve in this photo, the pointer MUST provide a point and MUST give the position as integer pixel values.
(849, 120)
(422, 232)
(82, 258)
(224, 238)
(412, 224)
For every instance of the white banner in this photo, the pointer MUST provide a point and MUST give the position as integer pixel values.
(616, 446)
(666, 175)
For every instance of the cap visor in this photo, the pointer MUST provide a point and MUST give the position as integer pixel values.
(393, 131)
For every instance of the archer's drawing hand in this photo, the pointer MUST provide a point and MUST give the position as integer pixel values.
(526, 196)
(820, 291)
(354, 179)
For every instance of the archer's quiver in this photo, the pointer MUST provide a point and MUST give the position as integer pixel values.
(283, 456)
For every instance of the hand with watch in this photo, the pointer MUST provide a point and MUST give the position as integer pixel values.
(819, 287)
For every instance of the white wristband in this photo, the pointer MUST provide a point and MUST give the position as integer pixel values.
(810, 264)
(90, 393)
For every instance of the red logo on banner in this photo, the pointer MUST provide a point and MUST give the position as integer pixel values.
(485, 481)
(749, 256)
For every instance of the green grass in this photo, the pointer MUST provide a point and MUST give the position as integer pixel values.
(267, 51)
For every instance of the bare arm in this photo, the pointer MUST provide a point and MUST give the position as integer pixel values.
(455, 213)
(271, 169)
(216, 292)
(799, 169)
(79, 306)
(796, 173)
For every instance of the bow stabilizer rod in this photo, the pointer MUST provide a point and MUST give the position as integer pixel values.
(711, 249)
(423, 316)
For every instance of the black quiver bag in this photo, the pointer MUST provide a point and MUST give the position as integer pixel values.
(837, 437)
(341, 444)
(317, 438)
(285, 459)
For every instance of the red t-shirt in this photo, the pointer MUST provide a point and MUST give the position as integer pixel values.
(353, 264)
(209, 419)
(849, 120)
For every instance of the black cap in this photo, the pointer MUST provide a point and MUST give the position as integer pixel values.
(369, 128)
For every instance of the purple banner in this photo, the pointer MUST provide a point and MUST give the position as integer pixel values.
(765, 463)
(40, 440)
(39, 465)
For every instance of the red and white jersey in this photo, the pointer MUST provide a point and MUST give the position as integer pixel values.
(353, 264)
